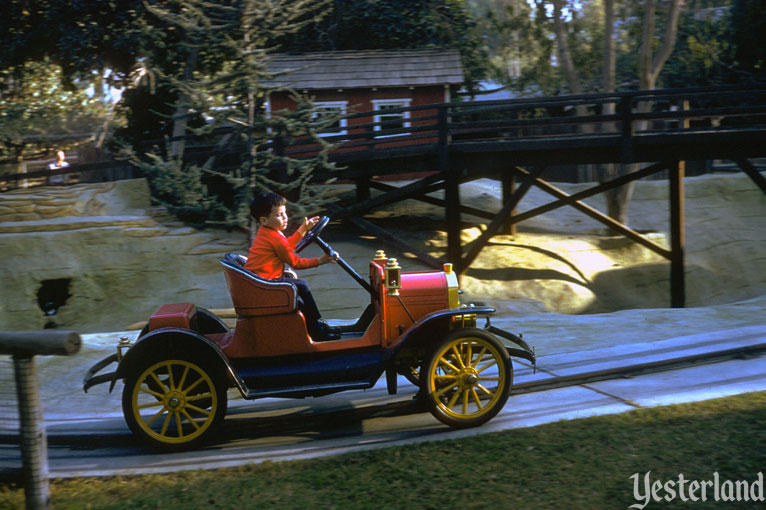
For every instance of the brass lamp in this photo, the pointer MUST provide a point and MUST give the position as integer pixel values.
(393, 277)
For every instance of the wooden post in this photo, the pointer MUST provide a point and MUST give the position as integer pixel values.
(677, 235)
(23, 346)
(34, 454)
(509, 186)
(451, 194)
(625, 110)
(362, 189)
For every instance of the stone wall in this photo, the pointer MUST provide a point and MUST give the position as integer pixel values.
(97, 257)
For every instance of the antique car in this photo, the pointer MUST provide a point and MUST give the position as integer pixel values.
(179, 369)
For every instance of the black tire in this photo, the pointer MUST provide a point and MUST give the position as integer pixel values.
(174, 404)
(467, 379)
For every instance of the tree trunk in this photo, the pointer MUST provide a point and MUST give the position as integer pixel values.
(565, 55)
(181, 115)
(572, 77)
(649, 67)
(616, 199)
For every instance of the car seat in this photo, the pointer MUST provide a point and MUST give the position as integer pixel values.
(253, 295)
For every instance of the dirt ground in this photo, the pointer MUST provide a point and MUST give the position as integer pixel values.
(565, 262)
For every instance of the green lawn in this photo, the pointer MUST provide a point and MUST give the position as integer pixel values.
(579, 464)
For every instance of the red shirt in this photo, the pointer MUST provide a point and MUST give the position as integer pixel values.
(271, 250)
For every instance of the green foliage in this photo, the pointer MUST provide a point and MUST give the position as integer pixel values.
(211, 75)
(719, 42)
(748, 35)
(80, 36)
(180, 188)
(396, 24)
(34, 103)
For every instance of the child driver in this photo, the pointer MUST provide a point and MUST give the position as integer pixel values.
(271, 250)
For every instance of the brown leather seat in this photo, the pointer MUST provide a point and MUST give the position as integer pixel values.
(253, 295)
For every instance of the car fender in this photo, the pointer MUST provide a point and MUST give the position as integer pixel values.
(164, 342)
(421, 332)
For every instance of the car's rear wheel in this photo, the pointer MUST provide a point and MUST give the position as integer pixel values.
(174, 404)
(467, 379)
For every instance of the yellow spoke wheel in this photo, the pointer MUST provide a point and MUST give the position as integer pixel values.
(468, 378)
(173, 404)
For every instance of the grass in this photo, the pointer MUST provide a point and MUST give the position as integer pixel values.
(578, 464)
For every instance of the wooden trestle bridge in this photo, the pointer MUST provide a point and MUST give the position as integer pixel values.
(514, 141)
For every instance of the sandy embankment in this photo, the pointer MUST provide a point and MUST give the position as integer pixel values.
(570, 264)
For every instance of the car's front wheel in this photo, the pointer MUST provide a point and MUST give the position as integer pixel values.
(174, 404)
(467, 379)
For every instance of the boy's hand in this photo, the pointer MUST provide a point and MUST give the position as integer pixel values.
(325, 258)
(307, 224)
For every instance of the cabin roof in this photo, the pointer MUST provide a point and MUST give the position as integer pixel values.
(367, 69)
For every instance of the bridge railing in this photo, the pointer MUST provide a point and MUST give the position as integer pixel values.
(620, 116)
(22, 347)
(617, 119)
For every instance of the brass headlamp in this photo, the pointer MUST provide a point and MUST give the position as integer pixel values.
(393, 277)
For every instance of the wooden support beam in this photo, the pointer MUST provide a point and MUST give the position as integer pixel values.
(508, 184)
(396, 195)
(435, 201)
(451, 192)
(677, 236)
(750, 170)
(619, 181)
(362, 189)
(598, 216)
(390, 239)
(500, 219)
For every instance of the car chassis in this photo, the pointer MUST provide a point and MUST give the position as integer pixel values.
(177, 373)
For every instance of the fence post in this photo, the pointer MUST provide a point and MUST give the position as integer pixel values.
(23, 346)
(34, 457)
(626, 120)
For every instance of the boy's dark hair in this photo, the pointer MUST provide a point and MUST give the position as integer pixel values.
(263, 203)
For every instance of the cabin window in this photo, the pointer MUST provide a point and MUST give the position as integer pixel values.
(335, 112)
(388, 112)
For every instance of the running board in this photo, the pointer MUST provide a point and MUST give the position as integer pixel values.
(308, 390)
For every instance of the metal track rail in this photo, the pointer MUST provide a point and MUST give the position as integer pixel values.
(559, 381)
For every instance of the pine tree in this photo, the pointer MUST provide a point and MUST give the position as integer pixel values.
(215, 56)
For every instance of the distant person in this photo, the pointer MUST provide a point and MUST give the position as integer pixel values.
(60, 162)
(271, 250)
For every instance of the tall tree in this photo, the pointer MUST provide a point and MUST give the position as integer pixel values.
(650, 65)
(220, 71)
(652, 61)
(83, 38)
(396, 24)
(34, 105)
(748, 32)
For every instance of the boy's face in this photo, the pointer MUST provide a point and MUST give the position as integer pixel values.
(277, 219)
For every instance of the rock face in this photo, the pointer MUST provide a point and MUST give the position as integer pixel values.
(92, 258)
(98, 257)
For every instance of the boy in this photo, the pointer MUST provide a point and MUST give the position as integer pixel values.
(271, 250)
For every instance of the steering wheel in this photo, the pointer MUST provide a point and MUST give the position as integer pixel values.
(312, 234)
